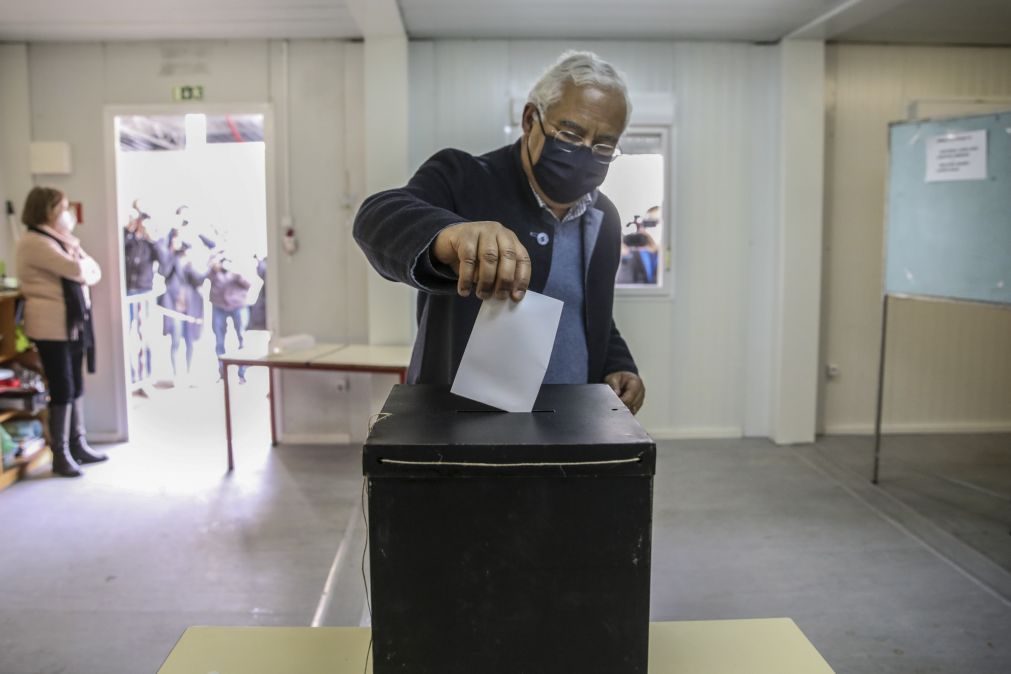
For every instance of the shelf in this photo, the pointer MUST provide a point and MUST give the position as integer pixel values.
(27, 458)
(24, 358)
(8, 477)
(25, 415)
(37, 452)
(24, 464)
(31, 401)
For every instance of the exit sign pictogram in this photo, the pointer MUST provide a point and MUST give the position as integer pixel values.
(188, 93)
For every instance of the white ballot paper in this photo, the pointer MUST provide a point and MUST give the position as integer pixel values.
(508, 352)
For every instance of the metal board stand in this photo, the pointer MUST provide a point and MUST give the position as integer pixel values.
(881, 364)
(881, 388)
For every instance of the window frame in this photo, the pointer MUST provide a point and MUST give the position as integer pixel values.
(665, 289)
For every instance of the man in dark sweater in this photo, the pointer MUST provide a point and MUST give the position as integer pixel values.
(525, 216)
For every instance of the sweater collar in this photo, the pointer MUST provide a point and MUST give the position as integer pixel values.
(575, 211)
(522, 184)
(66, 238)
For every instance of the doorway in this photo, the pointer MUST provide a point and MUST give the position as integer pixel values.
(191, 201)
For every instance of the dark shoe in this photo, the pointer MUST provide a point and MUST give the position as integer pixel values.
(79, 448)
(64, 464)
(59, 430)
(84, 454)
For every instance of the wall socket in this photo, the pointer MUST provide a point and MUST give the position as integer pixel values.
(832, 371)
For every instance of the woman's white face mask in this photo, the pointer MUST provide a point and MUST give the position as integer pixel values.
(66, 221)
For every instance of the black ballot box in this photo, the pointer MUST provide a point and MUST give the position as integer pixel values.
(509, 543)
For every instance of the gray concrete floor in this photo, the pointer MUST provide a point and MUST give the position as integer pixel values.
(102, 574)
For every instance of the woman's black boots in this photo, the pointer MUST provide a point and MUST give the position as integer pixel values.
(79, 449)
(59, 435)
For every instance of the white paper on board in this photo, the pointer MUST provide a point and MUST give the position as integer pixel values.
(957, 156)
(508, 352)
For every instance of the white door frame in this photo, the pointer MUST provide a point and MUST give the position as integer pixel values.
(115, 289)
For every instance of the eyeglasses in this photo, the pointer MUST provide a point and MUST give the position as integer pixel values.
(569, 141)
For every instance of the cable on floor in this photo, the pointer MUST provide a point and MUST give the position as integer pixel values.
(365, 580)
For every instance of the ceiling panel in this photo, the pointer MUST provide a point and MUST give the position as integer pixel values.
(977, 22)
(33, 20)
(748, 20)
(914, 21)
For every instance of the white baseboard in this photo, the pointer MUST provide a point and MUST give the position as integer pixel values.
(314, 439)
(284, 439)
(108, 437)
(698, 433)
(921, 428)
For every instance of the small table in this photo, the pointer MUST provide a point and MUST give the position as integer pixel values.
(321, 357)
(764, 646)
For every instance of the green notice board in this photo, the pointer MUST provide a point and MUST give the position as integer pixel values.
(949, 209)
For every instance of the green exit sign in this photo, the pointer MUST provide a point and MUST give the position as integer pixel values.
(188, 93)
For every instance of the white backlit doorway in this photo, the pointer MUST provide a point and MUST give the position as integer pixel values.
(192, 210)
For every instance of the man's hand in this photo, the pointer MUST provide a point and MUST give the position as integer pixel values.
(486, 256)
(629, 388)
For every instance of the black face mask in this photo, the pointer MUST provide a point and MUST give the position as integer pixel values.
(565, 176)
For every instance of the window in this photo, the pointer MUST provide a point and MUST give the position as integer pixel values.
(637, 183)
(144, 133)
(173, 132)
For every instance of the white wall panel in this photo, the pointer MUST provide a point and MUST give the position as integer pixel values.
(15, 137)
(71, 84)
(386, 73)
(799, 241)
(691, 346)
(764, 248)
(67, 84)
(230, 71)
(314, 291)
(713, 207)
(949, 365)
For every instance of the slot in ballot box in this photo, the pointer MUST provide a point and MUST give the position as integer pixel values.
(509, 543)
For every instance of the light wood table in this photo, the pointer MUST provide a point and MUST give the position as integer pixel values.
(368, 358)
(767, 646)
(321, 357)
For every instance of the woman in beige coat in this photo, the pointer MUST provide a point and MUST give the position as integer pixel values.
(55, 274)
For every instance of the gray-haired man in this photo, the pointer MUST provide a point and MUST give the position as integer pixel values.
(524, 216)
